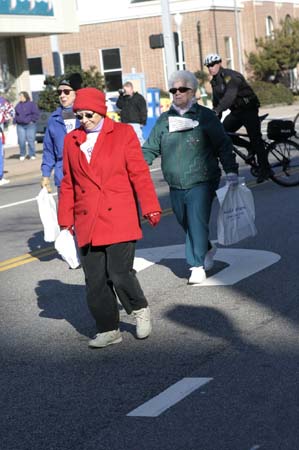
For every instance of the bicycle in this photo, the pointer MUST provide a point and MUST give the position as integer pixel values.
(296, 125)
(283, 156)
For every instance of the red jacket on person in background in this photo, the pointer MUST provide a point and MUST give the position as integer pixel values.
(100, 198)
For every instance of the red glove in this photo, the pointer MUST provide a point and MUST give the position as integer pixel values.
(153, 218)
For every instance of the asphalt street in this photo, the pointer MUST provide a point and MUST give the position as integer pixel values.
(219, 372)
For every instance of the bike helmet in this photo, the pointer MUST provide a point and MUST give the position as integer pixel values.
(212, 58)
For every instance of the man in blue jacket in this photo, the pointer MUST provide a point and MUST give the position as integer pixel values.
(61, 122)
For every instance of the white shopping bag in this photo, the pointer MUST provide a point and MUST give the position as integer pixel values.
(236, 213)
(65, 245)
(48, 215)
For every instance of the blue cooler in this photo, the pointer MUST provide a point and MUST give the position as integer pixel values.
(153, 110)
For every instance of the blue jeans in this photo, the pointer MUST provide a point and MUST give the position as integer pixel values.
(26, 133)
(192, 208)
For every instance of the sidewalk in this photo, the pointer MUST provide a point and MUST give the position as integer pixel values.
(14, 169)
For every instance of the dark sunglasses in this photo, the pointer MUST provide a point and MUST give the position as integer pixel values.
(64, 91)
(87, 115)
(213, 64)
(181, 89)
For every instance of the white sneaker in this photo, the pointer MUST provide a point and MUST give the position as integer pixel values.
(4, 181)
(22, 158)
(198, 275)
(32, 157)
(143, 322)
(209, 258)
(104, 339)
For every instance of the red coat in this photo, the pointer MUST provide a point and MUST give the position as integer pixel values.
(99, 198)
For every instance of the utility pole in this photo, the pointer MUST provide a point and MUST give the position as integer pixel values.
(168, 39)
(215, 26)
(56, 55)
(237, 24)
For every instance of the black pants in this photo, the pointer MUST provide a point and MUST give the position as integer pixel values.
(250, 120)
(109, 271)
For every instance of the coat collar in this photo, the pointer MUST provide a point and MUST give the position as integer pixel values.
(79, 136)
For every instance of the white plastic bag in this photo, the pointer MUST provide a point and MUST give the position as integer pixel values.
(48, 215)
(236, 213)
(66, 247)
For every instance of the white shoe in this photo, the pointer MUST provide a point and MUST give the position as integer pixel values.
(22, 158)
(4, 181)
(32, 157)
(104, 339)
(198, 275)
(209, 258)
(143, 322)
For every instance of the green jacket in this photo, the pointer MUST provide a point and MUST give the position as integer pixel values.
(192, 156)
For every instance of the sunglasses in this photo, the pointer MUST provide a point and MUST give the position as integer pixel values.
(181, 89)
(64, 91)
(88, 115)
(212, 64)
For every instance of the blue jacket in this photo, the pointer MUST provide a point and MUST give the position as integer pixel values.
(53, 146)
(26, 112)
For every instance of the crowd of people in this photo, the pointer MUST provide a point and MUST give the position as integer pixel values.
(101, 171)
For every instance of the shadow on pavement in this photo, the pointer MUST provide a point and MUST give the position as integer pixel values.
(61, 301)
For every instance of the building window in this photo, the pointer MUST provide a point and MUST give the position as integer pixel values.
(229, 59)
(35, 66)
(71, 60)
(111, 66)
(269, 27)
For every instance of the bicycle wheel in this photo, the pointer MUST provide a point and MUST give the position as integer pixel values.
(283, 157)
(296, 125)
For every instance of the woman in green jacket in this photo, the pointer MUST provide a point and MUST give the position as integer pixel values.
(191, 140)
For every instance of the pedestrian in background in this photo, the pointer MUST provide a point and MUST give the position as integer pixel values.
(104, 175)
(7, 113)
(133, 109)
(61, 122)
(27, 114)
(190, 140)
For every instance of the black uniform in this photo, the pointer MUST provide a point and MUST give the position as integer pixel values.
(231, 91)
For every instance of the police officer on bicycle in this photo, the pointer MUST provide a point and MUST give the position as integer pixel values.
(231, 91)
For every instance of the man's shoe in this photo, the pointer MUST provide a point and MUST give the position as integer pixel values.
(143, 322)
(104, 339)
(209, 258)
(32, 158)
(4, 181)
(198, 275)
(22, 158)
(264, 174)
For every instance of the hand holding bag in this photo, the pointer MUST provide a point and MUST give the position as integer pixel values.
(65, 245)
(48, 215)
(236, 213)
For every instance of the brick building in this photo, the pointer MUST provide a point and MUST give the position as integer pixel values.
(114, 36)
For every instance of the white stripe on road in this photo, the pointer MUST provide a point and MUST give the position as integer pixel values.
(169, 397)
(34, 199)
(21, 202)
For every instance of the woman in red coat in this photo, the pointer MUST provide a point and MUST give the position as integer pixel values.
(104, 174)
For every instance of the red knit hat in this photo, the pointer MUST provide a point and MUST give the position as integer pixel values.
(90, 99)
